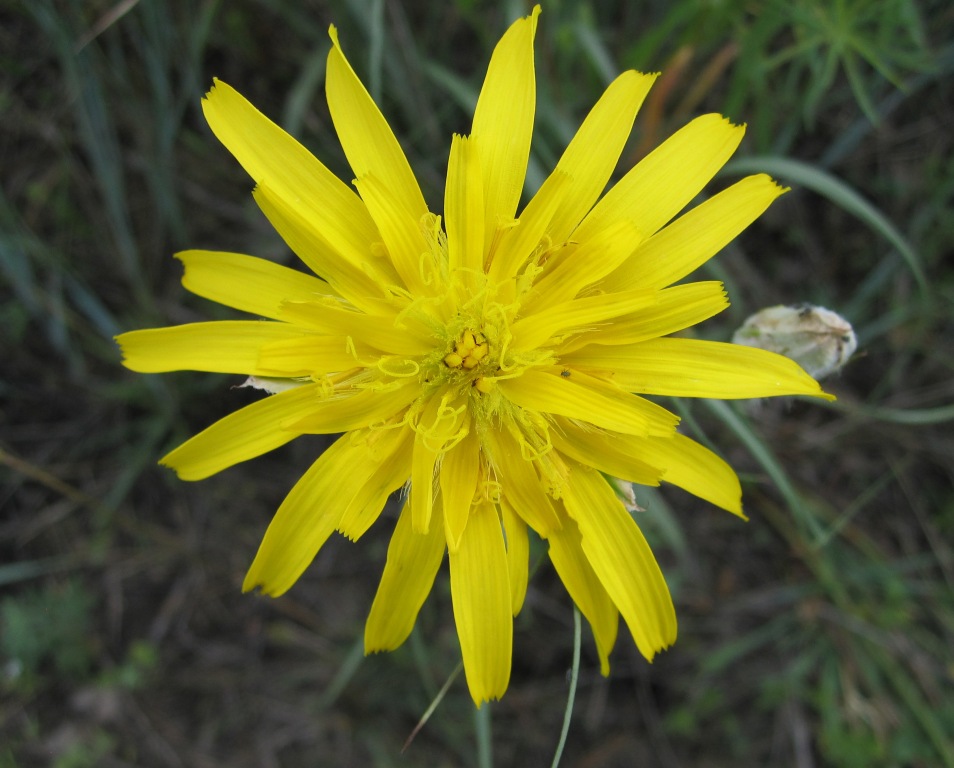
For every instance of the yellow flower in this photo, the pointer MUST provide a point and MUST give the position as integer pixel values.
(492, 363)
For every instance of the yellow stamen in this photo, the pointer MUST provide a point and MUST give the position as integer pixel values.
(469, 351)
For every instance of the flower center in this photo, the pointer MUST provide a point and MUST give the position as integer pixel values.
(468, 351)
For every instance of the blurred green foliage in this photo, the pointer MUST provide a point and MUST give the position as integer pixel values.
(818, 633)
(49, 626)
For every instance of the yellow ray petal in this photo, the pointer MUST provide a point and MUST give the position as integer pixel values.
(593, 153)
(441, 423)
(225, 346)
(412, 563)
(696, 236)
(606, 452)
(242, 435)
(401, 232)
(292, 172)
(695, 368)
(253, 285)
(585, 589)
(464, 207)
(588, 264)
(310, 513)
(518, 555)
(520, 484)
(692, 467)
(313, 355)
(589, 400)
(516, 244)
(667, 179)
(385, 333)
(365, 135)
(391, 454)
(480, 591)
(343, 411)
(623, 561)
(503, 122)
(459, 471)
(353, 273)
(676, 308)
(579, 314)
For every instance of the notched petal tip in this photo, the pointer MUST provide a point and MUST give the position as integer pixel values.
(782, 189)
(255, 582)
(256, 587)
(629, 74)
(170, 464)
(218, 90)
(122, 349)
(731, 123)
(478, 702)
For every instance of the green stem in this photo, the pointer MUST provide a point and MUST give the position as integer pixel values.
(482, 728)
(574, 678)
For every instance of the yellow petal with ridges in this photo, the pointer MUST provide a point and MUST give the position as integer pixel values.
(225, 346)
(480, 592)
(667, 179)
(401, 232)
(440, 423)
(412, 564)
(343, 411)
(592, 155)
(313, 355)
(464, 206)
(696, 236)
(367, 139)
(518, 555)
(696, 368)
(270, 154)
(588, 264)
(606, 452)
(622, 560)
(675, 309)
(391, 454)
(584, 588)
(692, 467)
(253, 285)
(458, 479)
(503, 122)
(354, 274)
(516, 244)
(242, 435)
(579, 314)
(519, 482)
(423, 462)
(589, 400)
(310, 513)
(385, 333)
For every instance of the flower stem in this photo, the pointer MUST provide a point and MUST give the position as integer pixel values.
(574, 678)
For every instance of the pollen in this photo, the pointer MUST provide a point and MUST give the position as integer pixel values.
(469, 350)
